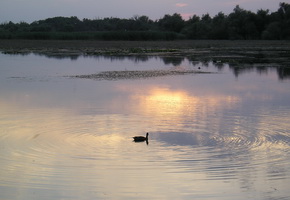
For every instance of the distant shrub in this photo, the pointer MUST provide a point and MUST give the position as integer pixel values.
(5, 35)
(102, 35)
(140, 35)
(31, 35)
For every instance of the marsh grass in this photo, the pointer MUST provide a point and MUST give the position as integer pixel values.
(101, 35)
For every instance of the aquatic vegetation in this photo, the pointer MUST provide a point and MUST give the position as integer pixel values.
(118, 75)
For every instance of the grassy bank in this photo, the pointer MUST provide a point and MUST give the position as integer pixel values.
(222, 45)
(102, 35)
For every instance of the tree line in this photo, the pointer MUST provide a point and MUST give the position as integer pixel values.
(240, 24)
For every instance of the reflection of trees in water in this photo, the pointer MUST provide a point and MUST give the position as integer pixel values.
(239, 63)
(240, 69)
(60, 56)
(199, 60)
(12, 52)
(283, 72)
(175, 61)
(135, 59)
(262, 70)
(219, 65)
(75, 56)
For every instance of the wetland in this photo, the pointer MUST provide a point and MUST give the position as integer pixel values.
(217, 113)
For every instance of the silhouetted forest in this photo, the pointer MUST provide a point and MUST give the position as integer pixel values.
(240, 24)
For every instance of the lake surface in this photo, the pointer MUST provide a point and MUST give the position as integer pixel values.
(220, 135)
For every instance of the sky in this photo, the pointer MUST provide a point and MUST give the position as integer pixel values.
(33, 10)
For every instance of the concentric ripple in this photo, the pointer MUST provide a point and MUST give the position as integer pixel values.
(211, 136)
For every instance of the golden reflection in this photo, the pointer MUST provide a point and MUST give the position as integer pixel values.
(167, 108)
(164, 101)
(166, 96)
(178, 103)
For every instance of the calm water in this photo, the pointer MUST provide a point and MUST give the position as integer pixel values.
(223, 135)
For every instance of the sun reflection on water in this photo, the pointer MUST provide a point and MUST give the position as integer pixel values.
(166, 102)
(173, 108)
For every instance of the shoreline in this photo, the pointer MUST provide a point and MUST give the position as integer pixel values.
(262, 52)
(91, 45)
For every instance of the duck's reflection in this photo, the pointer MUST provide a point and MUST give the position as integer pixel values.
(147, 142)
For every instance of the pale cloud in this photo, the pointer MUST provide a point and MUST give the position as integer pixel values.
(181, 4)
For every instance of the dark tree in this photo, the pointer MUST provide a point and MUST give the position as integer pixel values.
(219, 28)
(173, 23)
(240, 24)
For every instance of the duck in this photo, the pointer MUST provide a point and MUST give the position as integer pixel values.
(141, 138)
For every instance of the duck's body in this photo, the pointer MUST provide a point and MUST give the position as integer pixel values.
(141, 138)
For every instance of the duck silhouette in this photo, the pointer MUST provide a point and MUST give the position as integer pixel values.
(141, 138)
